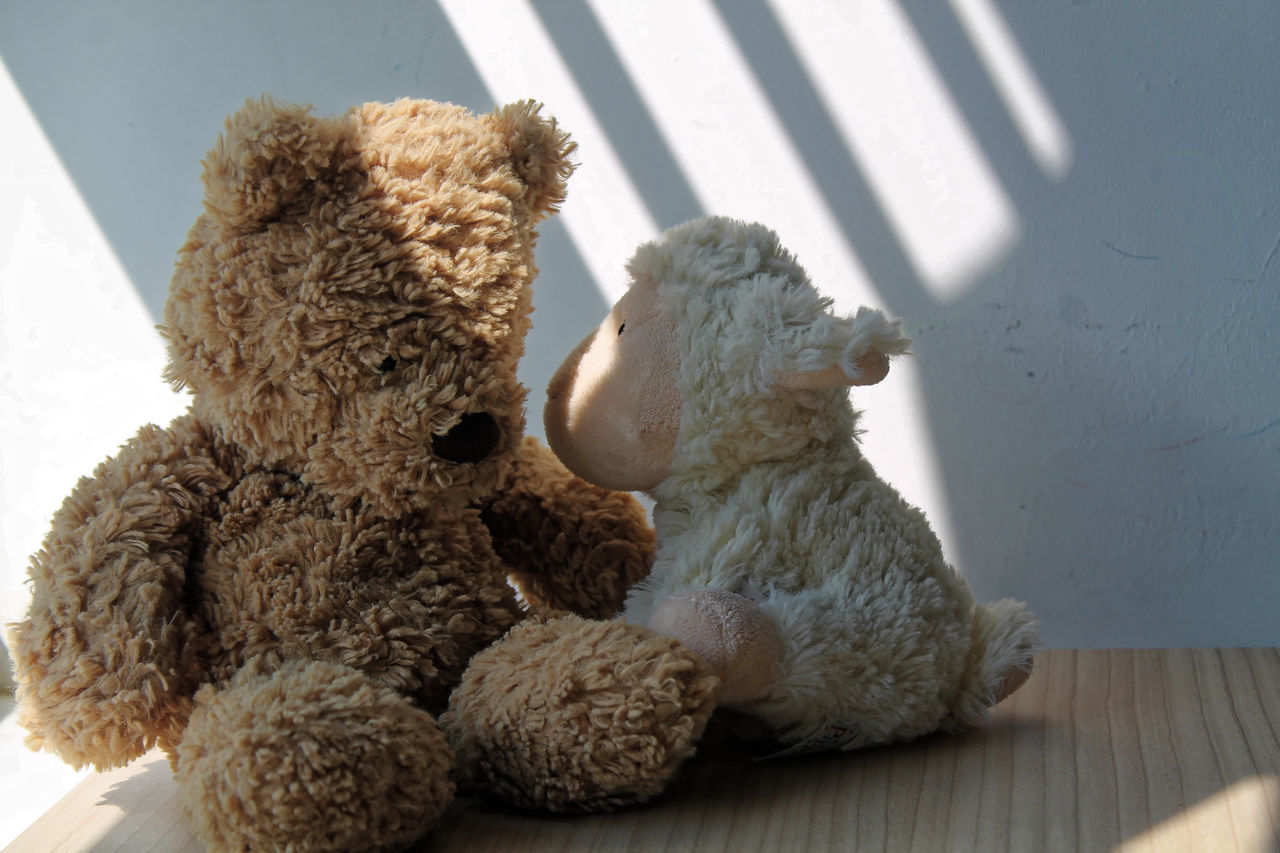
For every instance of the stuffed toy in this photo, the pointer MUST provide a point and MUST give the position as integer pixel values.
(719, 384)
(282, 587)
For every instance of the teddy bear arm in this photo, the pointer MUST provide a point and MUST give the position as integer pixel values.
(102, 657)
(569, 545)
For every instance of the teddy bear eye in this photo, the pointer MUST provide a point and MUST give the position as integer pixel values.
(387, 365)
(622, 329)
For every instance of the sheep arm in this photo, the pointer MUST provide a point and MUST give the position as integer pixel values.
(103, 659)
(569, 545)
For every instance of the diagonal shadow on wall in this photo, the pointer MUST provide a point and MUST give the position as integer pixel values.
(131, 111)
(132, 96)
(1055, 334)
(1032, 349)
(621, 111)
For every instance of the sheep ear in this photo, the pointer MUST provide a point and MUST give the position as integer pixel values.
(870, 369)
(857, 349)
(267, 154)
(540, 153)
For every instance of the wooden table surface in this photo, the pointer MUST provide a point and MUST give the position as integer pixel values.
(1135, 750)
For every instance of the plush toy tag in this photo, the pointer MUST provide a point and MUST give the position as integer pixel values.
(832, 736)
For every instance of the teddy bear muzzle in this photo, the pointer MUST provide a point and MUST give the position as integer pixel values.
(472, 439)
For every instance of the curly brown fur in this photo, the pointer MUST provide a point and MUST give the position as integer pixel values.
(403, 245)
(614, 711)
(335, 778)
(104, 658)
(281, 585)
(571, 545)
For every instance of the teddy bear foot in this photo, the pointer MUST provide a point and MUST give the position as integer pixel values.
(569, 714)
(313, 757)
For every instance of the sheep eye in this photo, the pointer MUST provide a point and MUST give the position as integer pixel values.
(622, 329)
(387, 365)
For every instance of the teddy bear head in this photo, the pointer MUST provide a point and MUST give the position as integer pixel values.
(352, 301)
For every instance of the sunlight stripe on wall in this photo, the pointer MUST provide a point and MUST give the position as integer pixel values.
(1011, 74)
(604, 214)
(700, 91)
(901, 125)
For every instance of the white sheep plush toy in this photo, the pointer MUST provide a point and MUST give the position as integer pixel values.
(719, 385)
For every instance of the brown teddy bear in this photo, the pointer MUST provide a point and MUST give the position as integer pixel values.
(283, 586)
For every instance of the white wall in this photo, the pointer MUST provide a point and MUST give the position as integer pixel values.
(1073, 206)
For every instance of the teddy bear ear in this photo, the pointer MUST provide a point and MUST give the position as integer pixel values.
(268, 152)
(540, 152)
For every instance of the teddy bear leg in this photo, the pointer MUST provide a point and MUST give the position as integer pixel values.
(311, 757)
(569, 714)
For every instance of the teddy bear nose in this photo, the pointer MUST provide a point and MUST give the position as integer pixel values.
(474, 438)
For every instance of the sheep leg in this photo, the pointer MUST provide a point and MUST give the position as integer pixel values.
(731, 633)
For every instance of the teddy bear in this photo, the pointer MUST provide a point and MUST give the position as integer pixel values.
(282, 587)
(719, 384)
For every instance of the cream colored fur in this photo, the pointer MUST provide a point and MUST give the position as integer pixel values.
(767, 494)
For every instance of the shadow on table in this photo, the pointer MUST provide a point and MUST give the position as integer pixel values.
(149, 813)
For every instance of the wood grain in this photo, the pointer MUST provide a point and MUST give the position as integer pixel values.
(1100, 750)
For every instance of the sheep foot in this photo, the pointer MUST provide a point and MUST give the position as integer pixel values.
(731, 633)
